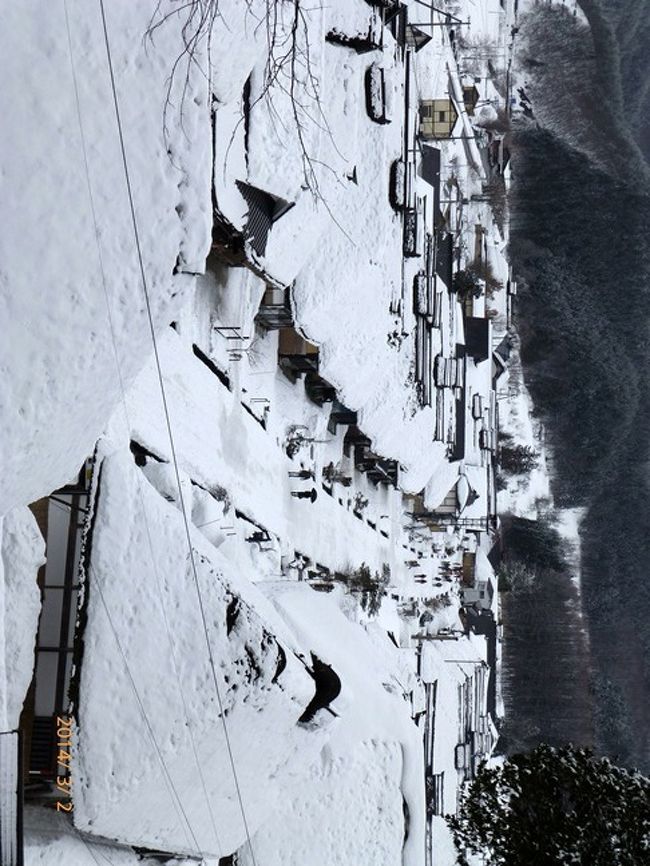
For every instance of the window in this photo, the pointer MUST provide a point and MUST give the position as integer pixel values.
(442, 116)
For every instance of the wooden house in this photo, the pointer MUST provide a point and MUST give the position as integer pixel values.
(296, 355)
(479, 583)
(61, 518)
(459, 497)
(437, 118)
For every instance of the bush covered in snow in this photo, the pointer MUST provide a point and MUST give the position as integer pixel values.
(370, 588)
(470, 280)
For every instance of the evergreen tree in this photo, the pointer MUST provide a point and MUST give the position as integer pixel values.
(555, 807)
(518, 459)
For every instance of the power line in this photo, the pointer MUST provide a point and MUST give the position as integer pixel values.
(88, 848)
(124, 403)
(85, 841)
(169, 430)
(145, 718)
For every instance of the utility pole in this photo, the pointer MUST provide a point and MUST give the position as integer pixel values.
(440, 23)
(448, 15)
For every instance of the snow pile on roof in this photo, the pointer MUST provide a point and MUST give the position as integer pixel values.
(340, 241)
(20, 605)
(59, 348)
(345, 774)
(345, 293)
(139, 568)
(244, 24)
(229, 449)
(441, 483)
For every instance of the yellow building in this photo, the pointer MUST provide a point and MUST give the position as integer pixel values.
(437, 118)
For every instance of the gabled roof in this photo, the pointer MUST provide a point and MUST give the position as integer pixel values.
(416, 38)
(264, 209)
(504, 348)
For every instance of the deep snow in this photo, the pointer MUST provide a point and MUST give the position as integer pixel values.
(334, 790)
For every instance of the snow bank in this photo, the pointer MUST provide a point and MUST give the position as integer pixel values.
(22, 556)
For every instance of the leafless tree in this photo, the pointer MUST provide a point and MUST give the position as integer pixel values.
(288, 69)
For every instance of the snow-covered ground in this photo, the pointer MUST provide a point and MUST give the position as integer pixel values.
(524, 494)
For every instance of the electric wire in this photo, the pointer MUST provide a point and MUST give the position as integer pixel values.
(90, 849)
(123, 395)
(167, 775)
